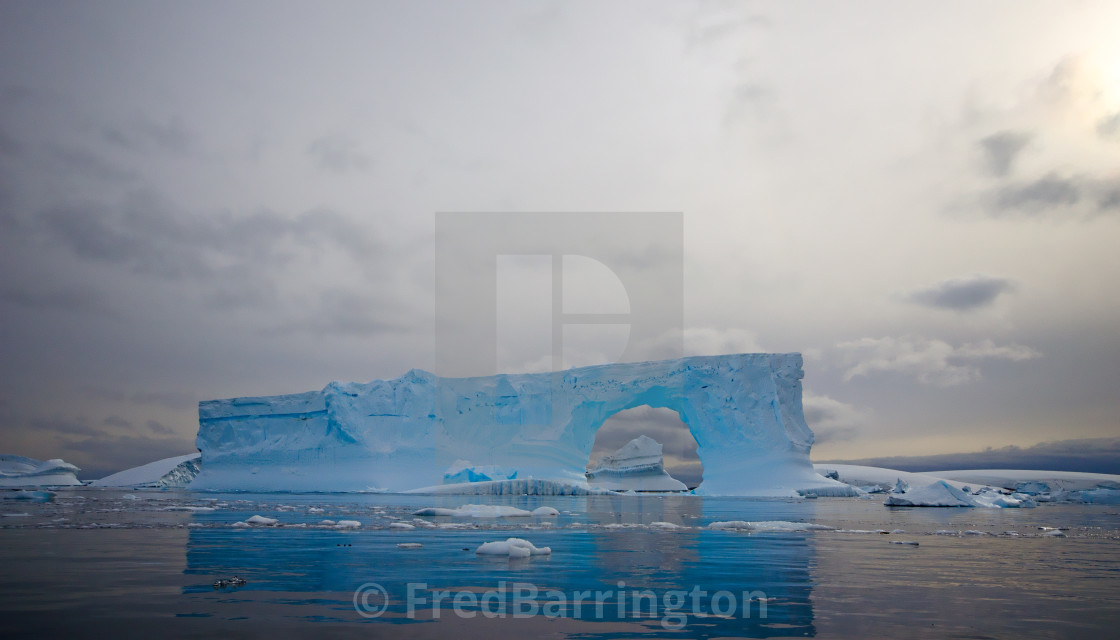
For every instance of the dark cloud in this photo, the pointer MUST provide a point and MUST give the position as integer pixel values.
(1056, 195)
(338, 154)
(962, 294)
(144, 135)
(65, 427)
(1094, 455)
(155, 426)
(1044, 193)
(1109, 126)
(1001, 149)
(117, 421)
(48, 299)
(79, 162)
(149, 237)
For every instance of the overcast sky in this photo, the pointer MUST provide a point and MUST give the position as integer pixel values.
(204, 200)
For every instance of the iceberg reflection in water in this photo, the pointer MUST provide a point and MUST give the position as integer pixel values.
(717, 583)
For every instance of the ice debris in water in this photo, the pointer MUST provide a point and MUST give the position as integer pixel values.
(769, 525)
(475, 511)
(512, 547)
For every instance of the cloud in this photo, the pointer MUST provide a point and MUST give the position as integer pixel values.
(830, 419)
(1054, 194)
(962, 294)
(1094, 455)
(338, 154)
(150, 238)
(145, 135)
(926, 360)
(1001, 149)
(1109, 126)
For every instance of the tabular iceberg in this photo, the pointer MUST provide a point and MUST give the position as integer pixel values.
(744, 410)
(638, 465)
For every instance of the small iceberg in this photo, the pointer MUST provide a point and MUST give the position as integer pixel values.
(512, 547)
(938, 494)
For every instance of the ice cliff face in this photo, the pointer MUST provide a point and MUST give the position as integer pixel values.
(743, 410)
(638, 465)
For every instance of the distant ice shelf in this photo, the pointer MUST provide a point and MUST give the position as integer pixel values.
(424, 431)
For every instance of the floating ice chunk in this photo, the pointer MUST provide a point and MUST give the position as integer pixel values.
(240, 525)
(901, 486)
(30, 496)
(1055, 533)
(906, 542)
(327, 523)
(314, 510)
(512, 547)
(769, 525)
(665, 525)
(475, 511)
(409, 545)
(545, 511)
(261, 520)
(401, 525)
(938, 494)
(347, 524)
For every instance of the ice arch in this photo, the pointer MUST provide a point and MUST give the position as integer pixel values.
(744, 410)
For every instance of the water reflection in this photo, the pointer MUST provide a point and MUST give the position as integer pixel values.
(602, 549)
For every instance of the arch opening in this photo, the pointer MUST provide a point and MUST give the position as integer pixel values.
(618, 444)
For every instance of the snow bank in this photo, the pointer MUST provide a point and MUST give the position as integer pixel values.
(512, 547)
(18, 471)
(638, 465)
(169, 473)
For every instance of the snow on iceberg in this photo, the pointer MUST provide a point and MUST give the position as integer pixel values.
(169, 473)
(18, 471)
(744, 411)
(638, 465)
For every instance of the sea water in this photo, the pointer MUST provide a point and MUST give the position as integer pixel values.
(93, 562)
